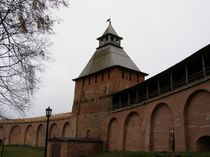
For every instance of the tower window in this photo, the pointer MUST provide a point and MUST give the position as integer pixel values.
(111, 38)
(106, 38)
(83, 82)
(123, 73)
(117, 41)
(96, 78)
(130, 75)
(109, 74)
(89, 79)
(137, 77)
(102, 76)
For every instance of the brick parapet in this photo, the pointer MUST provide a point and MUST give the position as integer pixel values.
(146, 102)
(60, 116)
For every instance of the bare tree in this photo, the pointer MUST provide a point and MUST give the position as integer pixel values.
(25, 26)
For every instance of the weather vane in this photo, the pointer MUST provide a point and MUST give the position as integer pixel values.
(109, 20)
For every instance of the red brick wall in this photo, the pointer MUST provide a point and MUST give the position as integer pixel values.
(15, 136)
(133, 133)
(141, 127)
(112, 134)
(73, 148)
(67, 130)
(197, 118)
(161, 122)
(2, 132)
(30, 135)
(92, 100)
(40, 136)
(31, 131)
(186, 110)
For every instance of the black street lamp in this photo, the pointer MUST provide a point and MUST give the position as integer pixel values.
(48, 115)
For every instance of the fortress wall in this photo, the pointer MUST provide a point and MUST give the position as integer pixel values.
(176, 100)
(31, 131)
(146, 127)
(143, 127)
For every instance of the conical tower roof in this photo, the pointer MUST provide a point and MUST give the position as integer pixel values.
(109, 54)
(110, 30)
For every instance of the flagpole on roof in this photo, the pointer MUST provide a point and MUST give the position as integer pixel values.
(109, 20)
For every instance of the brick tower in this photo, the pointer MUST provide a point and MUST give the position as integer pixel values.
(109, 70)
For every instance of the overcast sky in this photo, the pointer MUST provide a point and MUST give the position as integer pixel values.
(157, 34)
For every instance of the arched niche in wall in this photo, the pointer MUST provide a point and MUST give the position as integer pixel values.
(196, 118)
(2, 133)
(113, 135)
(29, 136)
(53, 131)
(88, 134)
(15, 136)
(203, 144)
(67, 131)
(161, 123)
(40, 136)
(133, 139)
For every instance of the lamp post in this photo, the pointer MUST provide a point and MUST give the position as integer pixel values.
(48, 115)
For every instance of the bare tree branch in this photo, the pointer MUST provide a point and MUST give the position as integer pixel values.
(24, 29)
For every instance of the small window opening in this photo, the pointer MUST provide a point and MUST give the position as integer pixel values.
(96, 78)
(123, 74)
(102, 76)
(130, 75)
(106, 38)
(89, 80)
(83, 82)
(117, 41)
(137, 78)
(109, 74)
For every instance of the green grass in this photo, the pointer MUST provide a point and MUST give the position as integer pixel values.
(22, 151)
(27, 151)
(150, 154)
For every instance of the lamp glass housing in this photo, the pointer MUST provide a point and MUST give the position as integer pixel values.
(48, 112)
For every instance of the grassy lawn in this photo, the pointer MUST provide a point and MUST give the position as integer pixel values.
(27, 151)
(150, 154)
(22, 151)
